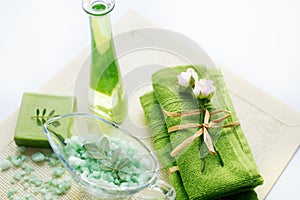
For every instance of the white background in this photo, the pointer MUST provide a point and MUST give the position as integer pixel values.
(257, 39)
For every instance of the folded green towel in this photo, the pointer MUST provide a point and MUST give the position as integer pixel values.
(239, 172)
(161, 140)
(160, 137)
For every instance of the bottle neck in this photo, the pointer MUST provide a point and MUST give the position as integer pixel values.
(100, 24)
(101, 31)
(98, 7)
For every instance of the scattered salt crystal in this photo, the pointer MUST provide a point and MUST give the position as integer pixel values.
(24, 179)
(48, 196)
(38, 157)
(5, 165)
(27, 169)
(11, 192)
(22, 149)
(58, 171)
(19, 175)
(16, 161)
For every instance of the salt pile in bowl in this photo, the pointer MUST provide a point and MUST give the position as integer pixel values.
(108, 160)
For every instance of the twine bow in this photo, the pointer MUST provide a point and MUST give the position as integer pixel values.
(204, 127)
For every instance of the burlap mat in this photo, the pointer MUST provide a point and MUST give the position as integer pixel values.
(41, 170)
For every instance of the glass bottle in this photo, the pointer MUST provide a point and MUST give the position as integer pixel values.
(106, 95)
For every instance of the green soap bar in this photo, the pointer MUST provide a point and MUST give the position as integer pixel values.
(28, 130)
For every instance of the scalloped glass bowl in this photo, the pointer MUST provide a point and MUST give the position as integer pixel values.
(87, 127)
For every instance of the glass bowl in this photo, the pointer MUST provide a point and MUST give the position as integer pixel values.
(88, 129)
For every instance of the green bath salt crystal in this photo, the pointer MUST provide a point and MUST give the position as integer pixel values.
(58, 171)
(17, 160)
(38, 157)
(5, 165)
(108, 160)
(11, 192)
(22, 149)
(24, 178)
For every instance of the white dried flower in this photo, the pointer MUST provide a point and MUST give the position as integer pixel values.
(204, 89)
(187, 78)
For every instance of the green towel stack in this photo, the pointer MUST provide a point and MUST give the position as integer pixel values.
(239, 175)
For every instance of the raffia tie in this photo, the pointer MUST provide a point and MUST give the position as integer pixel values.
(203, 128)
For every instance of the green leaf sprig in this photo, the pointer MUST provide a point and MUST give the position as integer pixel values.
(42, 117)
(99, 150)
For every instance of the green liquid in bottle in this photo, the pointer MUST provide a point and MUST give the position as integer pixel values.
(106, 95)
